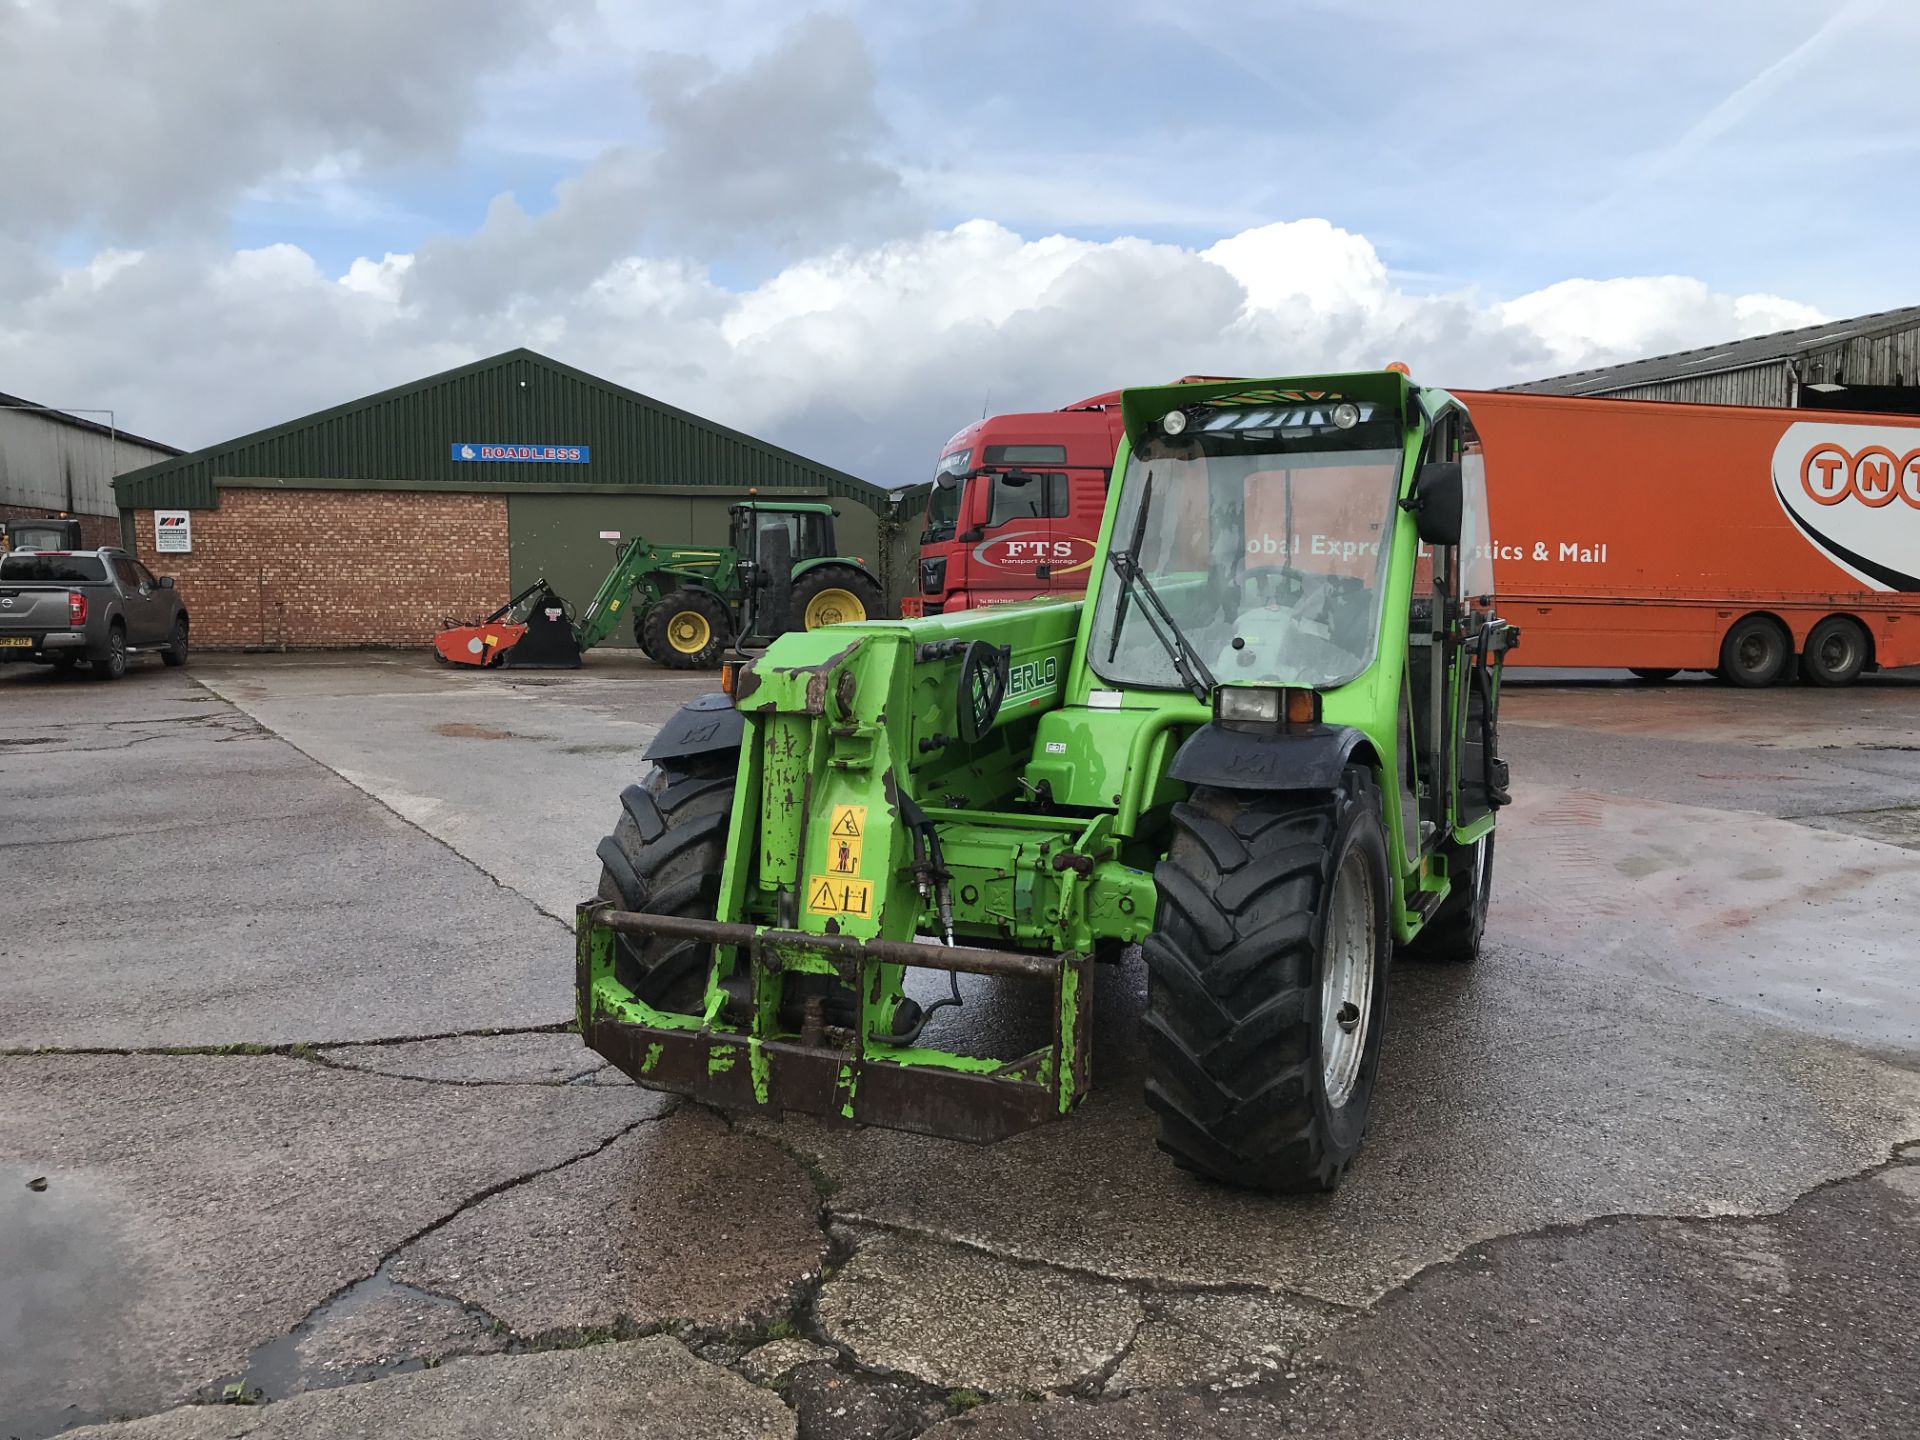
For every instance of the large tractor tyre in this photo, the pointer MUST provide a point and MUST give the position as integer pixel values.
(1652, 675)
(1454, 933)
(688, 629)
(640, 635)
(833, 595)
(176, 652)
(109, 662)
(664, 858)
(1836, 652)
(1755, 653)
(1267, 992)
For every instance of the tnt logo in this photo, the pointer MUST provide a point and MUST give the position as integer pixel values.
(1873, 475)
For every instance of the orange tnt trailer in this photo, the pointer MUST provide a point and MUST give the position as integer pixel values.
(1661, 537)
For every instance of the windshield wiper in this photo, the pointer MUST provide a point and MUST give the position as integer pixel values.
(1192, 670)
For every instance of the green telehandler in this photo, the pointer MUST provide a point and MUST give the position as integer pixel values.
(778, 572)
(1263, 748)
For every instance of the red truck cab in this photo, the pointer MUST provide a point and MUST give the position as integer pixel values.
(1016, 506)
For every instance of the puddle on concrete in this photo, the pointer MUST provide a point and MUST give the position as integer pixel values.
(64, 1287)
(374, 1328)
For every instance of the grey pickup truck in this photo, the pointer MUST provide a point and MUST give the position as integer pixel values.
(58, 607)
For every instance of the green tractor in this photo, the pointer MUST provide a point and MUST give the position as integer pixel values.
(778, 572)
(1263, 749)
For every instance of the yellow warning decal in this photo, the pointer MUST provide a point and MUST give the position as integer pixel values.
(493, 639)
(844, 840)
(828, 896)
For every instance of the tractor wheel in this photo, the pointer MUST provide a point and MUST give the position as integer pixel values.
(1755, 653)
(640, 636)
(1267, 988)
(833, 595)
(664, 858)
(1454, 933)
(688, 629)
(1836, 652)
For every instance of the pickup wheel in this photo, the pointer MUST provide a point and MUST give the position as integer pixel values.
(109, 662)
(664, 857)
(1267, 991)
(176, 652)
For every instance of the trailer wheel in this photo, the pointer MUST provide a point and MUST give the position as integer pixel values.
(1836, 652)
(688, 629)
(1652, 676)
(1267, 991)
(664, 858)
(1453, 935)
(834, 595)
(1755, 653)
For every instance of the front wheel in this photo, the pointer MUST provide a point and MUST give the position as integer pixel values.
(688, 629)
(641, 639)
(1267, 993)
(834, 595)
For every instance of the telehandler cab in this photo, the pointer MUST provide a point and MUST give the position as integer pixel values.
(1263, 748)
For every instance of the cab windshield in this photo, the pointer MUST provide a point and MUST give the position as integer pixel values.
(1266, 547)
(943, 506)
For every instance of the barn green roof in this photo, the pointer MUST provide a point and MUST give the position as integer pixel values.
(405, 439)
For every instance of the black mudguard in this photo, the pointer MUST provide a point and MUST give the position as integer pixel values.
(704, 724)
(1235, 759)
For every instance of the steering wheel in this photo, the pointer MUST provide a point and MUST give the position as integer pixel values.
(983, 685)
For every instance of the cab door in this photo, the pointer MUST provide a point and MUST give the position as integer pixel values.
(1011, 545)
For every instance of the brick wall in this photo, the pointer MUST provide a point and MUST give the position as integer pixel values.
(309, 569)
(95, 530)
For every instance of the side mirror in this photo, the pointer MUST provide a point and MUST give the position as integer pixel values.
(1435, 502)
(166, 582)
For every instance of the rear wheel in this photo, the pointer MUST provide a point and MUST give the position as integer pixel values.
(176, 651)
(664, 858)
(834, 595)
(1268, 983)
(1754, 653)
(1653, 675)
(109, 662)
(1836, 652)
(1454, 933)
(688, 629)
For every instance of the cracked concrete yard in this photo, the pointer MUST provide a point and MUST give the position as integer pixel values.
(288, 1109)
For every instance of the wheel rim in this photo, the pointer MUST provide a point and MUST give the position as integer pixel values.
(1346, 979)
(688, 632)
(1836, 653)
(834, 607)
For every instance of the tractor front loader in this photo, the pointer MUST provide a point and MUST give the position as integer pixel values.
(1264, 749)
(688, 603)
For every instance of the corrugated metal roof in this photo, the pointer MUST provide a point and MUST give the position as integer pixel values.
(78, 422)
(1736, 355)
(407, 434)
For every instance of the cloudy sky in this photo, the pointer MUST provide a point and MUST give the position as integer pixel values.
(848, 230)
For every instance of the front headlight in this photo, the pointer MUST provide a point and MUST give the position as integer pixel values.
(1284, 706)
(1257, 704)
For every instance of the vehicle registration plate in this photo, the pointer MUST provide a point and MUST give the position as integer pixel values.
(15, 642)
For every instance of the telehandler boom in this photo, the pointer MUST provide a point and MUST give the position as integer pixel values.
(1263, 749)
